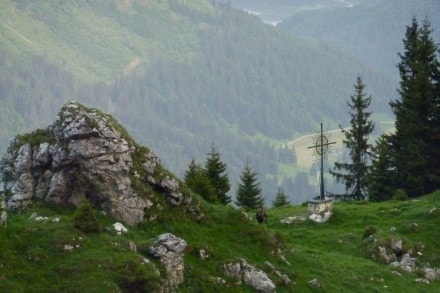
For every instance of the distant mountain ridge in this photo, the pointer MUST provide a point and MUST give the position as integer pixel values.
(179, 75)
(371, 30)
(276, 11)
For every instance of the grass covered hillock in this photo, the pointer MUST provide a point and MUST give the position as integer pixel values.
(51, 255)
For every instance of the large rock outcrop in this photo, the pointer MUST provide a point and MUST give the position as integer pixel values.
(87, 153)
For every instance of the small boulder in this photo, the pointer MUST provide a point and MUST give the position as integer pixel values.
(291, 219)
(119, 228)
(132, 246)
(203, 254)
(407, 263)
(321, 218)
(396, 246)
(284, 277)
(168, 249)
(431, 273)
(250, 275)
(314, 283)
(383, 255)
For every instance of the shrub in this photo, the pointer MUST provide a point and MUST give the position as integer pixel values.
(35, 138)
(434, 213)
(84, 218)
(368, 231)
(134, 276)
(410, 228)
(400, 194)
(275, 241)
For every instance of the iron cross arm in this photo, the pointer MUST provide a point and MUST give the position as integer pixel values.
(319, 145)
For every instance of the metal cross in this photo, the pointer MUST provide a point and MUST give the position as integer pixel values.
(322, 149)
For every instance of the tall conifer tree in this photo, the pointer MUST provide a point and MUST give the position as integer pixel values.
(354, 174)
(216, 172)
(248, 191)
(193, 169)
(280, 199)
(416, 142)
(380, 179)
(196, 179)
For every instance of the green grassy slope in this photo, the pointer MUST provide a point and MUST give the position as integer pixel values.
(338, 253)
(34, 255)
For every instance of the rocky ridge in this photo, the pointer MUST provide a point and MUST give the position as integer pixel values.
(87, 153)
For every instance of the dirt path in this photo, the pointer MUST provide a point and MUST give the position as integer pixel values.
(18, 34)
(305, 155)
(130, 66)
(290, 143)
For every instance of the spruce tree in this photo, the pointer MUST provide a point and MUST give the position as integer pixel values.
(193, 170)
(416, 142)
(354, 174)
(380, 179)
(196, 179)
(280, 199)
(84, 218)
(216, 172)
(248, 191)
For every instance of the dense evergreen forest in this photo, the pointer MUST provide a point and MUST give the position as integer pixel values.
(180, 76)
(371, 30)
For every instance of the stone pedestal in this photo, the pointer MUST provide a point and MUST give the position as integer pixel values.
(320, 210)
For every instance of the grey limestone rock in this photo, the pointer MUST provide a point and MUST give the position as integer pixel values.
(250, 275)
(169, 250)
(407, 263)
(84, 153)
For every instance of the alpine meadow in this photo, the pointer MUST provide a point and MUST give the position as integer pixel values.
(174, 146)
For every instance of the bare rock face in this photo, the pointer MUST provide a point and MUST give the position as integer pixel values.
(85, 153)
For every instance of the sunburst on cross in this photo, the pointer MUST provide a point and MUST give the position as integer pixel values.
(322, 149)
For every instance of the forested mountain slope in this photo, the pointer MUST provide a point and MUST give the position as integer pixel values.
(180, 75)
(369, 30)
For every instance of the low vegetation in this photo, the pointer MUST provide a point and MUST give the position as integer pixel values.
(50, 254)
(34, 138)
